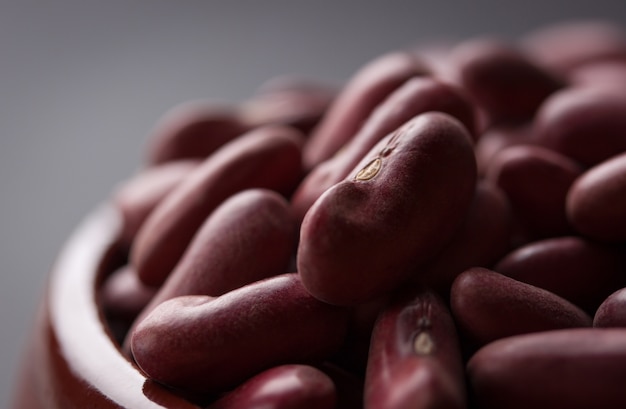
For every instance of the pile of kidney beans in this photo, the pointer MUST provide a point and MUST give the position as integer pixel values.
(447, 229)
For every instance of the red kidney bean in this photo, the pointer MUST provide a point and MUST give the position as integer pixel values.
(569, 45)
(206, 345)
(193, 130)
(501, 79)
(282, 387)
(267, 157)
(487, 306)
(605, 74)
(499, 137)
(348, 385)
(597, 199)
(291, 101)
(579, 270)
(612, 311)
(137, 197)
(585, 123)
(355, 102)
(397, 209)
(481, 241)
(122, 297)
(415, 360)
(415, 96)
(578, 368)
(250, 236)
(536, 181)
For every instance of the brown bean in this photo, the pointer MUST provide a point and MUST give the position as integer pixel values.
(282, 387)
(597, 199)
(193, 130)
(586, 124)
(267, 157)
(581, 271)
(415, 360)
(536, 181)
(363, 92)
(578, 368)
(487, 306)
(501, 79)
(569, 45)
(138, 197)
(397, 209)
(417, 95)
(206, 345)
(482, 239)
(612, 311)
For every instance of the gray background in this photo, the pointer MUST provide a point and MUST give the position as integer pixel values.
(82, 83)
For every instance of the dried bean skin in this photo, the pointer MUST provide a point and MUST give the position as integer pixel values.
(481, 241)
(193, 130)
(398, 208)
(502, 80)
(282, 387)
(206, 345)
(249, 237)
(487, 306)
(596, 201)
(581, 271)
(612, 311)
(415, 361)
(268, 157)
(417, 95)
(536, 181)
(577, 368)
(586, 124)
(355, 102)
(137, 197)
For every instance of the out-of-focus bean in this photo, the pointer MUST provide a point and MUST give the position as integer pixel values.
(415, 360)
(122, 297)
(415, 96)
(137, 197)
(398, 208)
(577, 368)
(291, 101)
(501, 79)
(356, 101)
(612, 311)
(206, 345)
(282, 387)
(268, 157)
(569, 45)
(606, 74)
(596, 202)
(579, 270)
(585, 123)
(481, 241)
(487, 306)
(193, 130)
(536, 181)
(499, 137)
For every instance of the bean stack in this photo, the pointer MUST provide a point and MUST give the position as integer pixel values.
(447, 229)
